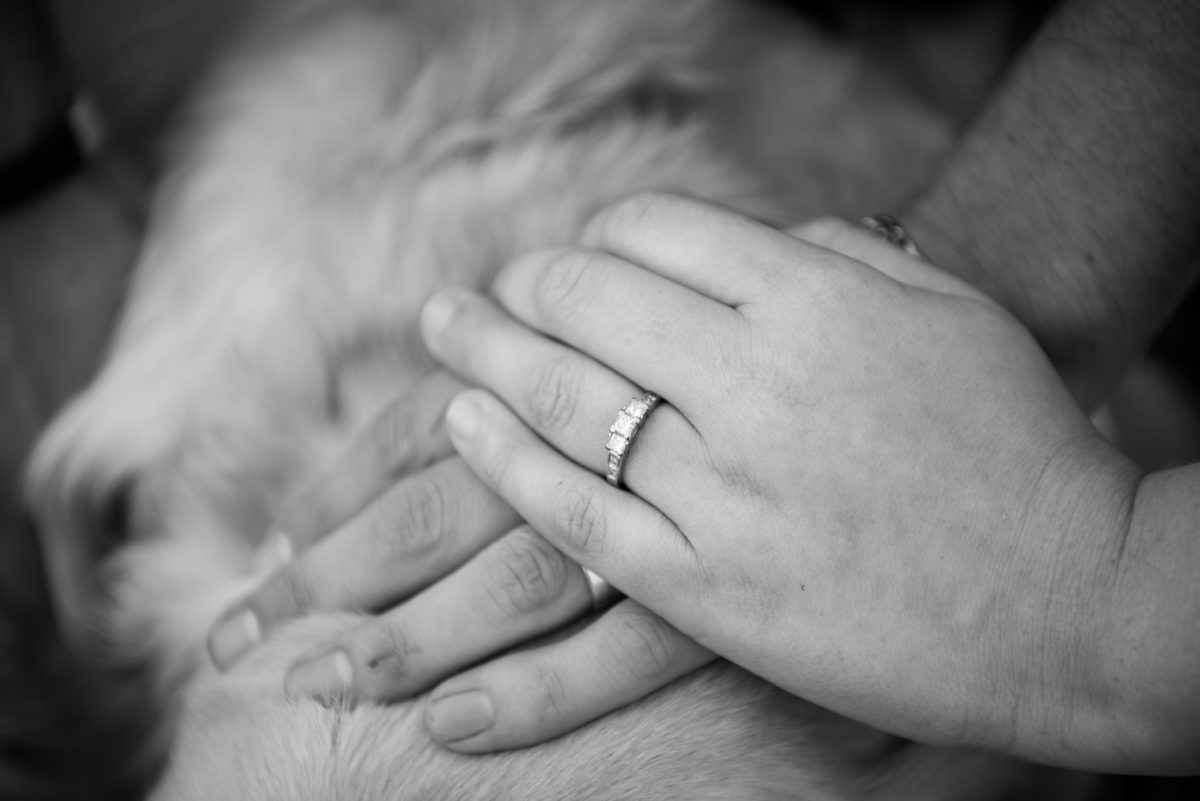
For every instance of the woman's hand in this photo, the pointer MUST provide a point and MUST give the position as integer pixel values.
(866, 485)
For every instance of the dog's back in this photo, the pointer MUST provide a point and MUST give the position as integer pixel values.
(350, 159)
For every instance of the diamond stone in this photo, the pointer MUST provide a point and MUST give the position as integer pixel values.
(637, 407)
(617, 443)
(624, 425)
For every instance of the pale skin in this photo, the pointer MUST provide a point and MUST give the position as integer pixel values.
(1014, 589)
(1034, 655)
(1040, 601)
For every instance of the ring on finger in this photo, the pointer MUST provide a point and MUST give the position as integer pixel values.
(622, 432)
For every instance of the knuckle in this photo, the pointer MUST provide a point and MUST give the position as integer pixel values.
(581, 521)
(387, 654)
(528, 575)
(419, 518)
(644, 644)
(567, 284)
(497, 465)
(551, 699)
(734, 357)
(554, 394)
(391, 437)
(292, 592)
(426, 514)
(634, 212)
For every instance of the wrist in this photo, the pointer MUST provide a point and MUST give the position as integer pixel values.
(1092, 731)
(1060, 706)
(1107, 672)
(1148, 642)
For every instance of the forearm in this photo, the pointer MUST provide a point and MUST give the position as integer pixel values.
(1073, 198)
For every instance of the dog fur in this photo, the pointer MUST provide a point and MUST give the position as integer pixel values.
(347, 160)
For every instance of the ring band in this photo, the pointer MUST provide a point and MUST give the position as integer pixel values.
(602, 592)
(889, 228)
(622, 432)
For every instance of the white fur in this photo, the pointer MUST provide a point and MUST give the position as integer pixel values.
(349, 160)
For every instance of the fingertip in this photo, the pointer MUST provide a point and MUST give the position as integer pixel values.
(310, 513)
(517, 286)
(468, 409)
(460, 719)
(462, 416)
(437, 313)
(328, 678)
(232, 636)
(275, 552)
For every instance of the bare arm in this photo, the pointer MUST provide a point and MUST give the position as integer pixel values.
(1074, 199)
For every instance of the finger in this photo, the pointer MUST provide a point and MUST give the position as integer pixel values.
(859, 243)
(570, 400)
(615, 533)
(418, 532)
(657, 333)
(533, 695)
(515, 589)
(716, 252)
(404, 436)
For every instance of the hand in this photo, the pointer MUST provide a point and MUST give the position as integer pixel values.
(866, 485)
(394, 513)
(409, 523)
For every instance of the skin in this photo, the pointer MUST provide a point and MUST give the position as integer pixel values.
(1071, 200)
(1055, 623)
(1039, 602)
(1039, 667)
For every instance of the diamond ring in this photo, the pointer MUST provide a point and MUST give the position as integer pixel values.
(888, 227)
(622, 432)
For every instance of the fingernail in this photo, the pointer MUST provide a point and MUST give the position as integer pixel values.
(438, 311)
(462, 417)
(233, 637)
(459, 716)
(324, 678)
(274, 553)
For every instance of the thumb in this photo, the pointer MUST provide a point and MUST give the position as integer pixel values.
(875, 251)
